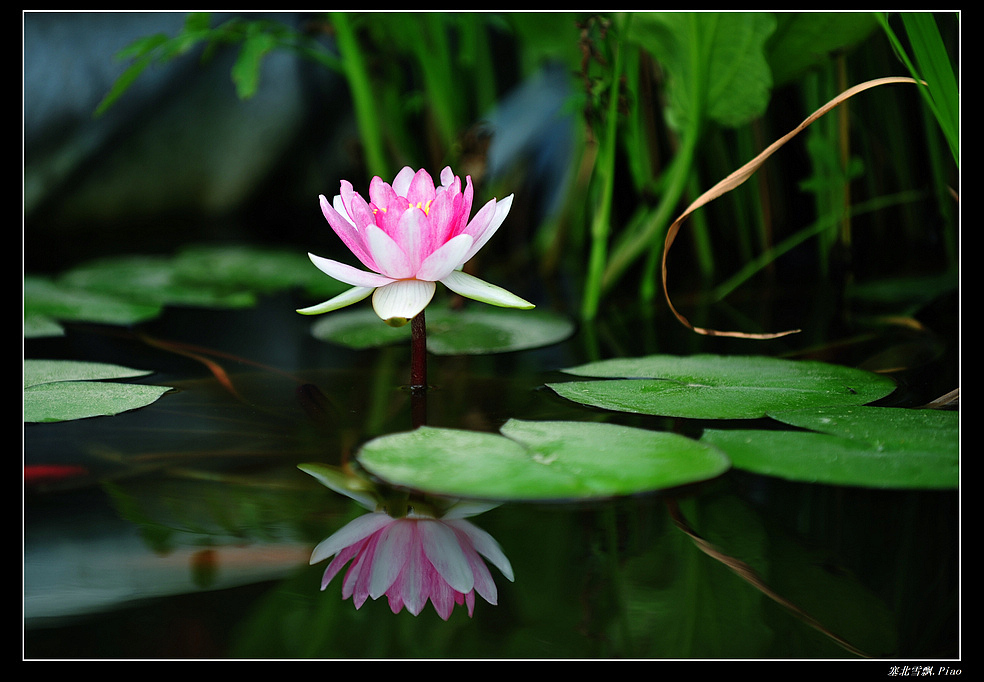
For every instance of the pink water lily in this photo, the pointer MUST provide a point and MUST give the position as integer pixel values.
(413, 559)
(411, 235)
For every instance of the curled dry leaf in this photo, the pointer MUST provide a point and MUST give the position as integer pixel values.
(741, 175)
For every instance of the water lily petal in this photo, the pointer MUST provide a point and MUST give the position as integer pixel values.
(421, 189)
(480, 290)
(357, 208)
(399, 302)
(390, 258)
(349, 297)
(401, 183)
(348, 274)
(392, 552)
(410, 234)
(501, 210)
(447, 176)
(484, 544)
(445, 259)
(441, 548)
(349, 534)
(351, 236)
(411, 588)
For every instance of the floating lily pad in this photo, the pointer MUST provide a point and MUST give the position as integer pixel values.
(471, 331)
(45, 299)
(719, 387)
(60, 390)
(877, 447)
(254, 269)
(154, 280)
(126, 290)
(540, 461)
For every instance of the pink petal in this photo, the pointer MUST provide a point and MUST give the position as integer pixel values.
(389, 257)
(347, 232)
(336, 564)
(392, 553)
(421, 190)
(353, 532)
(410, 587)
(484, 544)
(401, 183)
(440, 545)
(483, 232)
(440, 221)
(445, 259)
(356, 207)
(410, 234)
(348, 274)
(447, 176)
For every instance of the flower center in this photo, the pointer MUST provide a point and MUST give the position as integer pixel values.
(425, 207)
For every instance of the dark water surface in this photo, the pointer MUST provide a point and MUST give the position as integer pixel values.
(190, 535)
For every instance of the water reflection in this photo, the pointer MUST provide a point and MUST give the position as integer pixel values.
(409, 549)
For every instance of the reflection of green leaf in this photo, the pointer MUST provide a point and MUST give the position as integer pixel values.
(472, 331)
(715, 61)
(719, 387)
(540, 461)
(865, 446)
(58, 390)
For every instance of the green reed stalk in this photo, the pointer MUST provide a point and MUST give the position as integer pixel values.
(363, 99)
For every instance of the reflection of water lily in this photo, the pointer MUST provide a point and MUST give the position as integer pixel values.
(411, 234)
(426, 551)
(413, 559)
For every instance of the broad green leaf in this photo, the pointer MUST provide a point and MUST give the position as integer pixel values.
(715, 63)
(804, 39)
(877, 447)
(540, 461)
(472, 331)
(59, 390)
(719, 387)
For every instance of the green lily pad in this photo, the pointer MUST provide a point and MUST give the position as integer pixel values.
(255, 269)
(719, 387)
(471, 331)
(878, 447)
(44, 298)
(153, 280)
(540, 461)
(60, 390)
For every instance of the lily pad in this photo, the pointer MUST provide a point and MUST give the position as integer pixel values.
(719, 387)
(471, 331)
(253, 268)
(532, 460)
(45, 299)
(877, 447)
(60, 390)
(153, 280)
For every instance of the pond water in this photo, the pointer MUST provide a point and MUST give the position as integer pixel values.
(188, 535)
